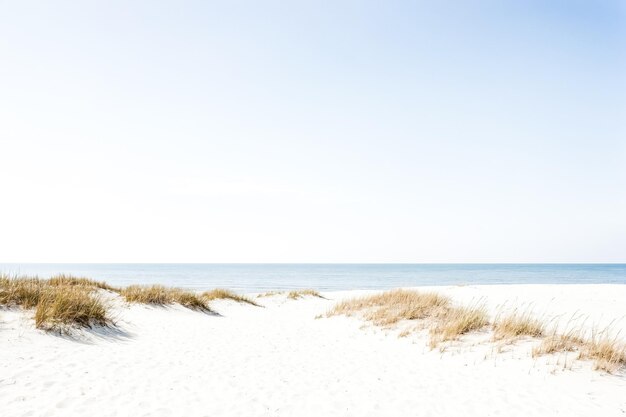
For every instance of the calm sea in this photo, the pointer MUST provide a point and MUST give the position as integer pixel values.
(264, 277)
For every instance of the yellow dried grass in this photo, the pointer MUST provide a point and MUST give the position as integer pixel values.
(607, 353)
(391, 307)
(458, 321)
(69, 280)
(515, 325)
(296, 294)
(161, 295)
(221, 294)
(63, 307)
(22, 292)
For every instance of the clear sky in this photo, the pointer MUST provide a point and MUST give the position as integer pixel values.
(321, 131)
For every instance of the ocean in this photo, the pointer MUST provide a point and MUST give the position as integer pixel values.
(328, 277)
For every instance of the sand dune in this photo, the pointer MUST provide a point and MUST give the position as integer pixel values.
(279, 360)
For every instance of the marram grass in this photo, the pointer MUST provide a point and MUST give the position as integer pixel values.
(60, 308)
(221, 294)
(161, 295)
(59, 303)
(447, 322)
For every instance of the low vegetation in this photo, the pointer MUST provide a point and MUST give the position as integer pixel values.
(161, 295)
(607, 353)
(22, 292)
(457, 321)
(153, 294)
(62, 308)
(391, 307)
(292, 295)
(60, 303)
(447, 322)
(221, 294)
(64, 301)
(269, 294)
(69, 280)
(515, 325)
(192, 301)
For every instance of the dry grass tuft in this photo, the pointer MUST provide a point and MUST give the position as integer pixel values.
(404, 333)
(153, 294)
(60, 303)
(294, 295)
(220, 294)
(25, 292)
(160, 295)
(607, 353)
(60, 308)
(515, 325)
(391, 307)
(458, 321)
(558, 343)
(270, 294)
(69, 280)
(192, 301)
(22, 292)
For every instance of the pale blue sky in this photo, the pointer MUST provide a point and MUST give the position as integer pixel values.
(339, 131)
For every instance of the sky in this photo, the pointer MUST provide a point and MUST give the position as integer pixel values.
(313, 131)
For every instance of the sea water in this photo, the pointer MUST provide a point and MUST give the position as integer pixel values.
(328, 277)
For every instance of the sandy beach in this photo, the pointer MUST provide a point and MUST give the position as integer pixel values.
(287, 359)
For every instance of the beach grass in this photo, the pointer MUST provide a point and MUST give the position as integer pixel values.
(390, 307)
(457, 321)
(22, 292)
(69, 280)
(293, 295)
(59, 303)
(160, 295)
(446, 321)
(148, 294)
(192, 301)
(61, 308)
(515, 325)
(221, 294)
(608, 353)
(296, 294)
(269, 294)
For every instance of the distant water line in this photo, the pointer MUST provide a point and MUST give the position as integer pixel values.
(328, 277)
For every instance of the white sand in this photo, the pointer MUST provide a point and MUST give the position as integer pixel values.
(281, 361)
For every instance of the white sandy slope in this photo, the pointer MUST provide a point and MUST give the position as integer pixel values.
(281, 361)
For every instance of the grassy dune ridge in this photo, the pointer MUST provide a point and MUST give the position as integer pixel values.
(447, 322)
(63, 302)
(60, 302)
(222, 294)
(161, 295)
